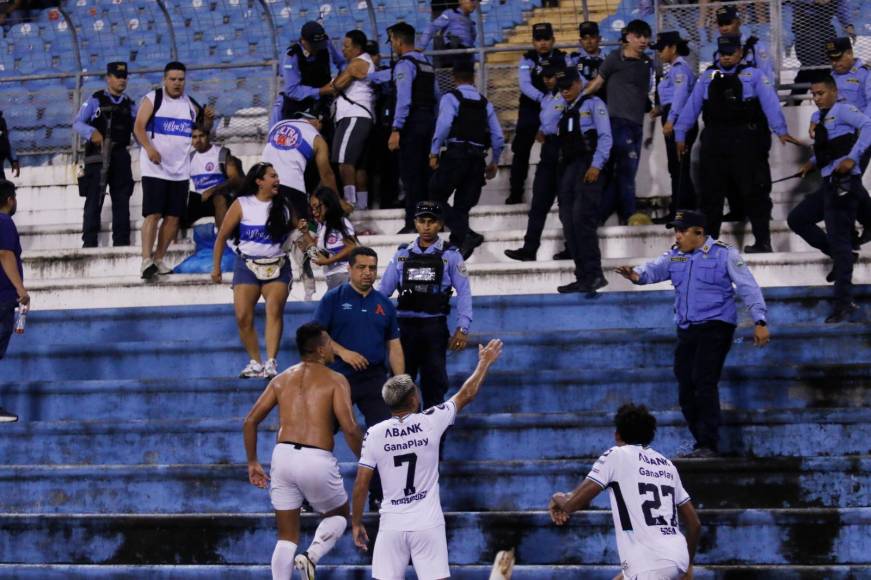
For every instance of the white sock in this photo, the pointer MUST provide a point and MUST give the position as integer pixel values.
(326, 536)
(362, 199)
(282, 560)
(350, 193)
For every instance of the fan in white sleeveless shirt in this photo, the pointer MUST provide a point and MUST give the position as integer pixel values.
(254, 239)
(289, 147)
(170, 133)
(206, 170)
(646, 492)
(358, 98)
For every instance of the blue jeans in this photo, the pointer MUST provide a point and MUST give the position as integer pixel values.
(619, 192)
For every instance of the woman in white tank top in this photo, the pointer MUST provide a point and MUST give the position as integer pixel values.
(334, 238)
(260, 223)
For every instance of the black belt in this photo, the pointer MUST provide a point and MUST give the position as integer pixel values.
(299, 446)
(468, 148)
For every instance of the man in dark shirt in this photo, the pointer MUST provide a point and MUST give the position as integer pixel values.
(12, 290)
(365, 334)
(627, 75)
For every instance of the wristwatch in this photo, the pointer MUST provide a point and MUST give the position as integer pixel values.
(464, 331)
(761, 323)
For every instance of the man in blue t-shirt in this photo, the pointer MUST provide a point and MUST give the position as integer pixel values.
(12, 290)
(363, 327)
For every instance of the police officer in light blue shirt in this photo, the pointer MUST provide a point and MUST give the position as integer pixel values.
(672, 92)
(544, 185)
(733, 99)
(589, 56)
(705, 274)
(457, 30)
(842, 135)
(425, 272)
(755, 51)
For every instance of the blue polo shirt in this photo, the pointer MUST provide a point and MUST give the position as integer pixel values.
(360, 323)
(10, 241)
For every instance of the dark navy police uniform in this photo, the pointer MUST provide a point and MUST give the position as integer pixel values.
(705, 283)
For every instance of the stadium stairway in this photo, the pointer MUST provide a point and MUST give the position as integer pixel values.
(128, 459)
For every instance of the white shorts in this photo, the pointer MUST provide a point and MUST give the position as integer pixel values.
(305, 473)
(669, 573)
(427, 549)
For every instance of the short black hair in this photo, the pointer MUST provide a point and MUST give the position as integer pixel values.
(639, 28)
(403, 31)
(357, 38)
(7, 191)
(309, 337)
(825, 78)
(464, 71)
(201, 128)
(174, 65)
(635, 424)
(361, 251)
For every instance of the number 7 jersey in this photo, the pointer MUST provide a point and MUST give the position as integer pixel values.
(646, 492)
(406, 452)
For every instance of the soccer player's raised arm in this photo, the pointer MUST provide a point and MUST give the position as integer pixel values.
(563, 504)
(487, 355)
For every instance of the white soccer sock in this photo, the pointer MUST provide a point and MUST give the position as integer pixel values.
(350, 193)
(362, 199)
(326, 536)
(282, 560)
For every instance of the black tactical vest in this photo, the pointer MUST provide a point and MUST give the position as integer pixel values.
(827, 150)
(113, 121)
(573, 143)
(314, 73)
(540, 62)
(725, 104)
(470, 125)
(421, 287)
(422, 87)
(588, 66)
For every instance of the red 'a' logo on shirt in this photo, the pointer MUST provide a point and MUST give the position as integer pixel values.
(380, 310)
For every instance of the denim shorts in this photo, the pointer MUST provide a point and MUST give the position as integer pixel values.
(242, 275)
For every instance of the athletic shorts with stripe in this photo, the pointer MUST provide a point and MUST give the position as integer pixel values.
(350, 140)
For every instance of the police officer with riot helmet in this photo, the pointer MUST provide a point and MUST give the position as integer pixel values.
(425, 272)
(842, 135)
(413, 120)
(105, 123)
(532, 91)
(306, 74)
(703, 272)
(733, 98)
(584, 138)
(467, 126)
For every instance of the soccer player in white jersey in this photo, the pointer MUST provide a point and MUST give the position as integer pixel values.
(405, 449)
(646, 498)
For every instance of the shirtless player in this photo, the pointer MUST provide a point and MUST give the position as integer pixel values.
(311, 398)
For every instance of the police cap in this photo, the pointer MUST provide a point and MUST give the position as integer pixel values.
(837, 47)
(687, 218)
(552, 69)
(463, 66)
(668, 38)
(117, 69)
(566, 77)
(588, 28)
(728, 44)
(315, 35)
(726, 15)
(429, 208)
(542, 31)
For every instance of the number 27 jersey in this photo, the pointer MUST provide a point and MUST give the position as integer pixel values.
(646, 492)
(406, 452)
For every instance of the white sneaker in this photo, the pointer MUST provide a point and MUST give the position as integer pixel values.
(270, 369)
(148, 269)
(162, 268)
(305, 566)
(7, 417)
(254, 370)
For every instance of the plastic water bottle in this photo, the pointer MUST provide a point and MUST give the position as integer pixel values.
(20, 319)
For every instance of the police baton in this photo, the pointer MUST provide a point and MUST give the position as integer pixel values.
(788, 177)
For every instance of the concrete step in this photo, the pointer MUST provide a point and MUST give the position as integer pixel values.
(805, 536)
(547, 391)
(464, 485)
(124, 288)
(793, 305)
(771, 433)
(812, 344)
(351, 572)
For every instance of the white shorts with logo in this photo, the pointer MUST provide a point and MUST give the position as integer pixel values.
(669, 573)
(427, 549)
(305, 473)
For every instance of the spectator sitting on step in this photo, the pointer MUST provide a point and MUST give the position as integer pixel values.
(12, 290)
(334, 239)
(215, 175)
(260, 223)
